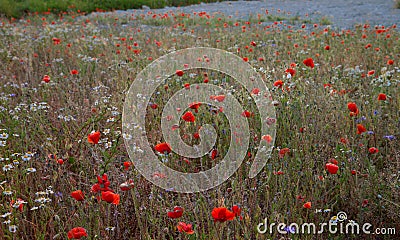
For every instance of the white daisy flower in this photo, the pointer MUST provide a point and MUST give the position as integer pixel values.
(26, 158)
(29, 154)
(31, 170)
(108, 145)
(5, 215)
(7, 192)
(12, 228)
(3, 135)
(7, 167)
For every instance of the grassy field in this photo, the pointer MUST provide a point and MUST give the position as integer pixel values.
(18, 8)
(65, 76)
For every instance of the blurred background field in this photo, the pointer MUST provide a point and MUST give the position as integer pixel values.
(17, 8)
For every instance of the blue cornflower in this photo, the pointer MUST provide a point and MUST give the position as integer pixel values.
(390, 137)
(290, 229)
(363, 118)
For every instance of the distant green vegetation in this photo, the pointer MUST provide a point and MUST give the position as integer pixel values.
(17, 8)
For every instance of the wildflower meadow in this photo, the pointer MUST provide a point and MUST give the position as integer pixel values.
(65, 172)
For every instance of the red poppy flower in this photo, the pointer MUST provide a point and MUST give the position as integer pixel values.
(334, 161)
(77, 233)
(56, 41)
(382, 97)
(196, 135)
(188, 117)
(237, 211)
(94, 137)
(353, 108)
(370, 73)
(327, 47)
(307, 205)
(283, 152)
(390, 62)
(179, 73)
(19, 204)
(219, 98)
(344, 141)
(213, 154)
(360, 129)
(267, 138)
(153, 105)
(126, 186)
(332, 168)
(255, 91)
(291, 71)
(163, 147)
(127, 165)
(195, 106)
(102, 184)
(176, 212)
(74, 72)
(353, 172)
(60, 161)
(78, 195)
(373, 150)
(247, 114)
(110, 197)
(46, 78)
(309, 62)
(183, 227)
(278, 83)
(222, 214)
(299, 197)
